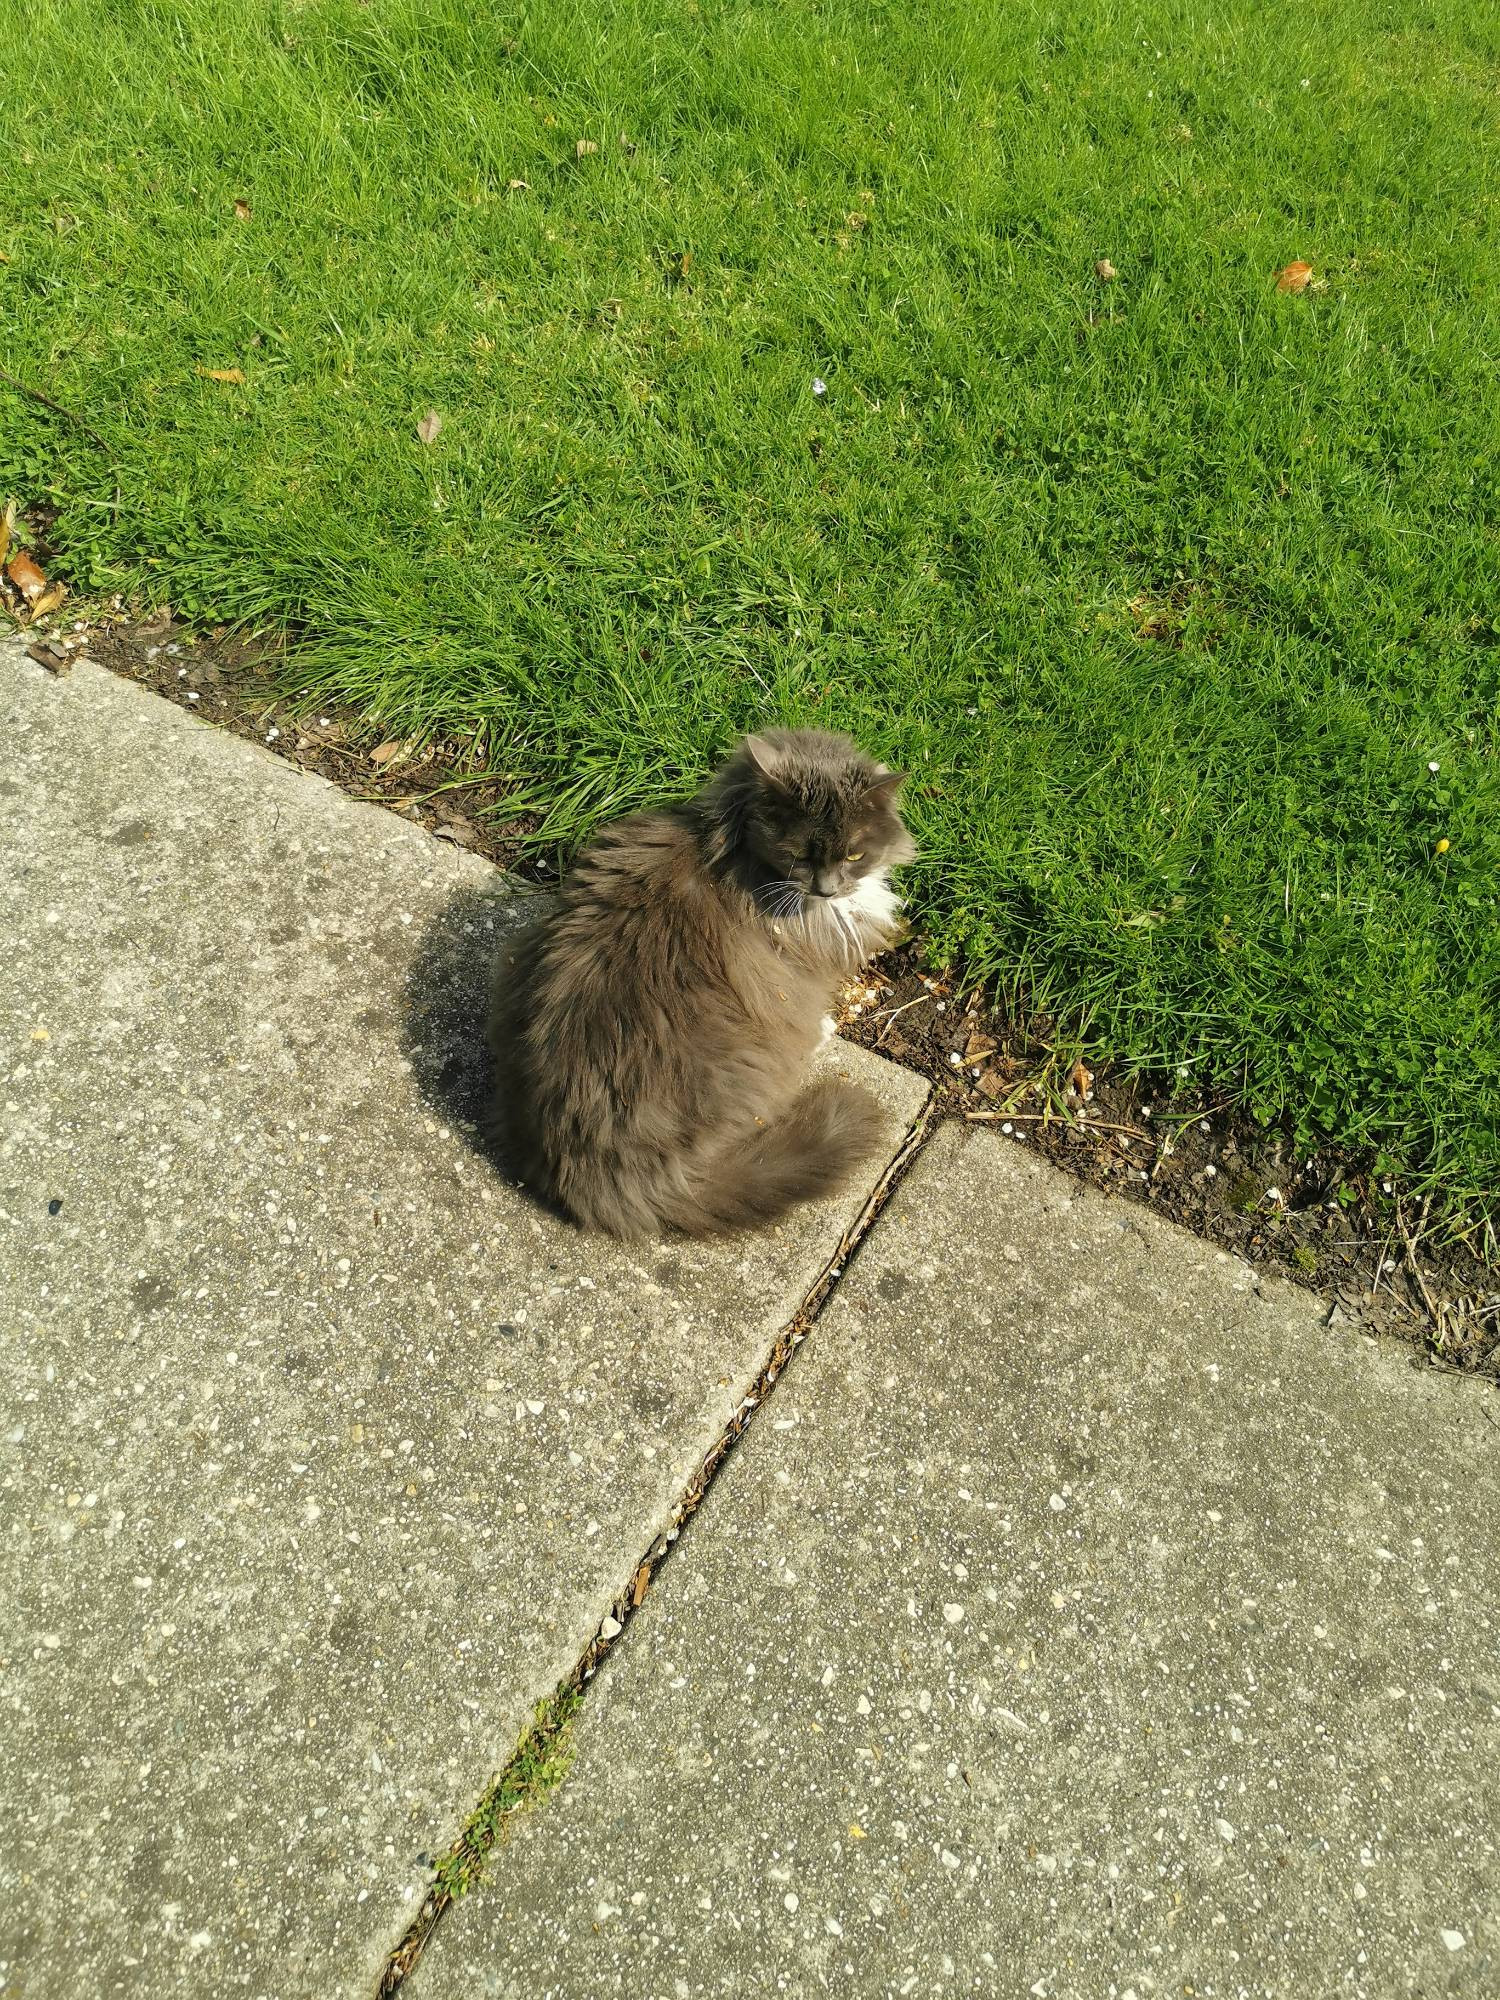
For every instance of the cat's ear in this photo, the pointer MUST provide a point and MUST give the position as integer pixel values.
(885, 790)
(765, 761)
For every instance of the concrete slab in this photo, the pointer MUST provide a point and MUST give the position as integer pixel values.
(1078, 1619)
(324, 1452)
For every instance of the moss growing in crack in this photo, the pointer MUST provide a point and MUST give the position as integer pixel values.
(538, 1766)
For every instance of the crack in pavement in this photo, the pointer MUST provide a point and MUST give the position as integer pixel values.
(480, 1832)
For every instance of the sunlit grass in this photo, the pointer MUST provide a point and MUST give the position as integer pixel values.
(1168, 589)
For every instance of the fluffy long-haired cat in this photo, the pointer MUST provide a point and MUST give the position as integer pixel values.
(651, 1034)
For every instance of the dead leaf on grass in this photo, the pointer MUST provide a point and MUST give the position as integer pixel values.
(1105, 271)
(384, 752)
(517, 187)
(49, 600)
(429, 427)
(26, 576)
(223, 374)
(1294, 277)
(242, 211)
(7, 523)
(584, 148)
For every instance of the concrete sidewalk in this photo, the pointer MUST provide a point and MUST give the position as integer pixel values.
(1078, 1617)
(326, 1453)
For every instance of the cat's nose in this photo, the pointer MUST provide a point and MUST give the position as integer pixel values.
(826, 882)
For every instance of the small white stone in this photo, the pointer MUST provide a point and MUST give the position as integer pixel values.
(1453, 1939)
(1226, 1831)
(789, 1902)
(610, 1628)
(1057, 1503)
(954, 1613)
(949, 1858)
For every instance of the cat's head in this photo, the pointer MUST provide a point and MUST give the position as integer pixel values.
(808, 809)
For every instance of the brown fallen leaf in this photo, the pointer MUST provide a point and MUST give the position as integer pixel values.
(1105, 271)
(25, 575)
(7, 522)
(641, 1585)
(518, 187)
(1295, 277)
(49, 600)
(978, 1047)
(1082, 1079)
(429, 427)
(47, 653)
(223, 374)
(584, 148)
(242, 211)
(384, 752)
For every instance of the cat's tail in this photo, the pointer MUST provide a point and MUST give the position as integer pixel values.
(811, 1151)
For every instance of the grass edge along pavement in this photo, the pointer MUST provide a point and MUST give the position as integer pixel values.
(1326, 1221)
(1169, 586)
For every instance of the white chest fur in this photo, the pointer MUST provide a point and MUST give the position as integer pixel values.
(867, 915)
(874, 901)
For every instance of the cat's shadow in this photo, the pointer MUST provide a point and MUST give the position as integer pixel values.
(445, 1005)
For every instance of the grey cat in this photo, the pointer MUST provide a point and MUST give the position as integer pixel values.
(651, 1034)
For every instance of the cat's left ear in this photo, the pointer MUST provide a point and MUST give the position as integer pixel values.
(885, 790)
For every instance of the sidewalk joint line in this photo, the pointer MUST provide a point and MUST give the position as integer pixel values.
(539, 1760)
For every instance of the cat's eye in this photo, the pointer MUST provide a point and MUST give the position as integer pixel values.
(854, 857)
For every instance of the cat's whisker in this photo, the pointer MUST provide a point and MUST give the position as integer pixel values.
(787, 899)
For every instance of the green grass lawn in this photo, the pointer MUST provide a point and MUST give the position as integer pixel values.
(1170, 590)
